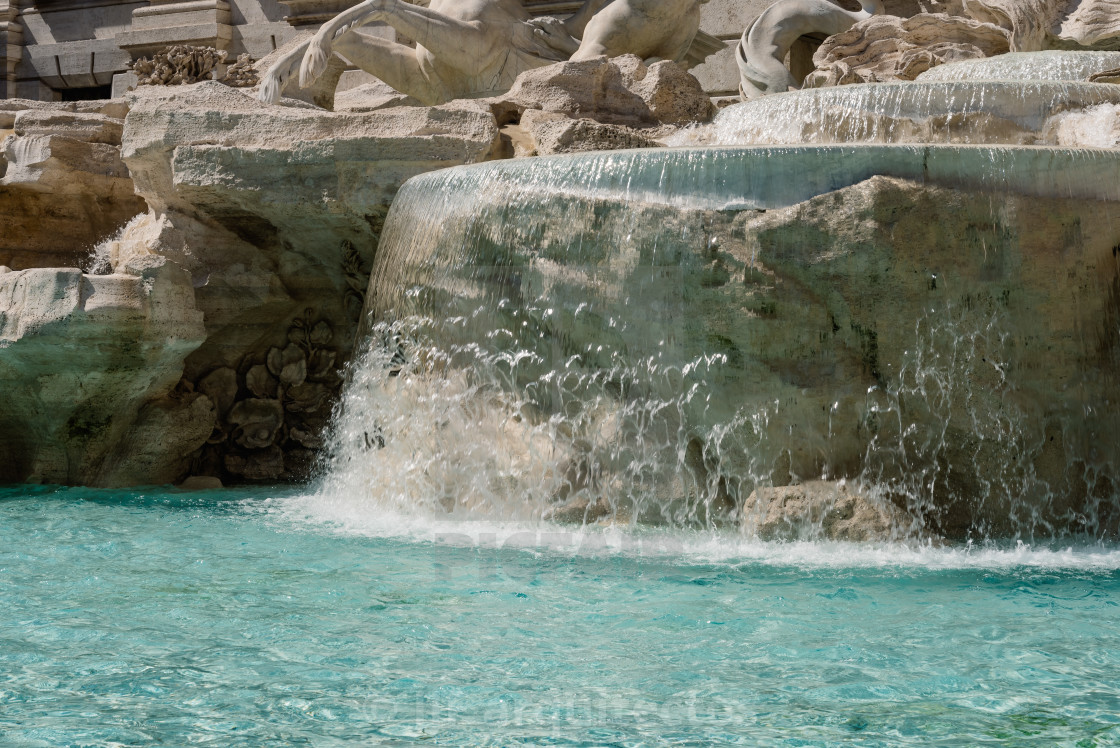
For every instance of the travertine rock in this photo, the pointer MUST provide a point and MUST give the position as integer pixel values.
(86, 353)
(1052, 24)
(87, 127)
(885, 48)
(617, 91)
(9, 108)
(370, 97)
(549, 132)
(275, 212)
(822, 510)
(951, 343)
(63, 186)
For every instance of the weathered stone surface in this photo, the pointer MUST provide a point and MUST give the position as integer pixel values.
(63, 186)
(161, 444)
(549, 132)
(822, 510)
(1052, 24)
(275, 212)
(619, 91)
(1107, 76)
(85, 353)
(87, 127)
(370, 97)
(886, 48)
(9, 108)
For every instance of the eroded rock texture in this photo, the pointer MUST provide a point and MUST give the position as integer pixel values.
(884, 48)
(275, 213)
(63, 186)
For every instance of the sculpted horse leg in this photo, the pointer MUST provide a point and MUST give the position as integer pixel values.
(396, 64)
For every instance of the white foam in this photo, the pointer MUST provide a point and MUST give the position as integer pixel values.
(351, 517)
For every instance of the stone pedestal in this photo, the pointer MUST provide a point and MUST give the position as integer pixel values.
(11, 47)
(201, 23)
(314, 13)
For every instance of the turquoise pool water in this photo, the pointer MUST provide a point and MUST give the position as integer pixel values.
(260, 618)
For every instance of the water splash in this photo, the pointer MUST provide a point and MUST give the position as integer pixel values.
(103, 256)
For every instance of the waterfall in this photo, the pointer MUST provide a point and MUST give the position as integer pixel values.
(648, 336)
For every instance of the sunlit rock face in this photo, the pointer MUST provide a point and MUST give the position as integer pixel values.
(88, 362)
(275, 212)
(63, 187)
(887, 48)
(936, 323)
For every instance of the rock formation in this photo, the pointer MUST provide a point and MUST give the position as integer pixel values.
(1052, 24)
(63, 186)
(822, 510)
(935, 331)
(886, 48)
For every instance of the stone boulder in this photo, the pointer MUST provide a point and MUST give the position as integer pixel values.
(63, 185)
(937, 322)
(617, 91)
(83, 357)
(822, 510)
(543, 133)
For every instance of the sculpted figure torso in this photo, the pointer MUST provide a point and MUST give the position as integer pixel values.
(762, 51)
(468, 48)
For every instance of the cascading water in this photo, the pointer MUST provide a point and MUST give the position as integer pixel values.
(964, 112)
(1052, 65)
(641, 336)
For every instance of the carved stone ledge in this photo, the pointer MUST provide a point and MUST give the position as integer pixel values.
(200, 23)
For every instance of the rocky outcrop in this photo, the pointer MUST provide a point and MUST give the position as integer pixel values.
(1052, 24)
(91, 363)
(63, 185)
(617, 91)
(275, 212)
(945, 331)
(822, 510)
(549, 132)
(886, 48)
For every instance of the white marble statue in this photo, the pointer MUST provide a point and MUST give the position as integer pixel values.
(470, 48)
(762, 51)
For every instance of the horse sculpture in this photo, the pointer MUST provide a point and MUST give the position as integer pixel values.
(471, 48)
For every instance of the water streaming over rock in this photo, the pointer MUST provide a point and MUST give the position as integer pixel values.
(1011, 112)
(1051, 65)
(649, 336)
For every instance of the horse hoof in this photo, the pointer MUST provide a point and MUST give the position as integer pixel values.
(314, 63)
